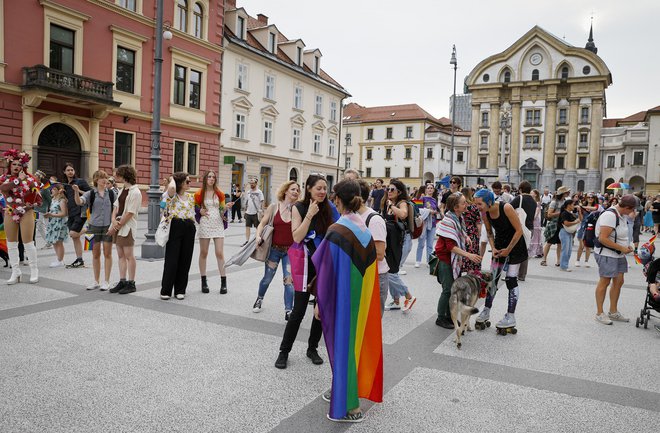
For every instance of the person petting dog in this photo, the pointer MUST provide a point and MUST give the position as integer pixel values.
(450, 249)
(509, 251)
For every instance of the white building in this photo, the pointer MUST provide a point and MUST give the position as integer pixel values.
(624, 151)
(280, 111)
(653, 163)
(437, 151)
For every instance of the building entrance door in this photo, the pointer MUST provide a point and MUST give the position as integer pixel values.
(58, 144)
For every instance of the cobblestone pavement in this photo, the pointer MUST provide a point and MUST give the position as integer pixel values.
(89, 361)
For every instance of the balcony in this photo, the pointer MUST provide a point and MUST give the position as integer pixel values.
(76, 86)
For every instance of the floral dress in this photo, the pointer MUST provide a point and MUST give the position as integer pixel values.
(56, 230)
(211, 225)
(472, 218)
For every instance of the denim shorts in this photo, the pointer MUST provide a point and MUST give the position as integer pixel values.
(610, 267)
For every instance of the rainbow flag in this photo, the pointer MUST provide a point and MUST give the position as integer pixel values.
(45, 185)
(348, 295)
(418, 202)
(89, 242)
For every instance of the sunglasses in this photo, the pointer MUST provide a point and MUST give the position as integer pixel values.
(454, 182)
(392, 189)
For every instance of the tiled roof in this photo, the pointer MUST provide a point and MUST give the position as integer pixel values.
(637, 117)
(355, 113)
(610, 123)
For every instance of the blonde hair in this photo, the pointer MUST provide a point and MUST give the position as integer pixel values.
(281, 191)
(98, 174)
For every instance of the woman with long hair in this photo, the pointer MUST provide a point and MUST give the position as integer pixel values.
(472, 219)
(282, 239)
(310, 219)
(56, 230)
(21, 192)
(588, 205)
(209, 213)
(76, 220)
(552, 224)
(567, 218)
(430, 203)
(536, 244)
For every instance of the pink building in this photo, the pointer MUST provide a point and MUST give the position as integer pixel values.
(76, 84)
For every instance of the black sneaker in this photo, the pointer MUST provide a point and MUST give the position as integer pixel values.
(128, 288)
(444, 323)
(282, 360)
(256, 308)
(77, 263)
(287, 315)
(314, 356)
(120, 285)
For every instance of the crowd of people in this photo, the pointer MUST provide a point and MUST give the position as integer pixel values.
(342, 249)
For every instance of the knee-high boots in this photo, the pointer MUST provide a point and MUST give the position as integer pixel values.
(12, 251)
(31, 253)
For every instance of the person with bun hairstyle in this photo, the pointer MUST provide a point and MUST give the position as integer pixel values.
(21, 192)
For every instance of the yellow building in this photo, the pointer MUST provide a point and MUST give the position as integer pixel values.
(537, 111)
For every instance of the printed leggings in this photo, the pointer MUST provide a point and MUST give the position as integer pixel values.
(511, 271)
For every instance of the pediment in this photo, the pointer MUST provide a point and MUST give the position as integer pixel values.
(241, 102)
(333, 130)
(270, 110)
(298, 119)
(318, 125)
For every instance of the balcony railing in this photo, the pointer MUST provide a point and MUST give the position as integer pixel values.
(42, 77)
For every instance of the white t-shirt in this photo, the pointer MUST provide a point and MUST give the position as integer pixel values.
(253, 201)
(378, 232)
(608, 219)
(545, 199)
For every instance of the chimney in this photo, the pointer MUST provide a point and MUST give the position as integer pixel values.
(263, 19)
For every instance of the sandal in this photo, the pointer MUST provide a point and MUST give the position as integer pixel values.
(543, 263)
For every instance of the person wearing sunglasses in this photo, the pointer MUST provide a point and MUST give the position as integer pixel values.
(455, 184)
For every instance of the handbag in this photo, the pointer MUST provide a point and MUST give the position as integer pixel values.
(262, 251)
(163, 230)
(522, 217)
(571, 229)
(434, 264)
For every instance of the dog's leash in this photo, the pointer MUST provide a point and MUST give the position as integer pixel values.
(497, 269)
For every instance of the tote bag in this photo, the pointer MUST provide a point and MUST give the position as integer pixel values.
(522, 217)
(163, 230)
(262, 251)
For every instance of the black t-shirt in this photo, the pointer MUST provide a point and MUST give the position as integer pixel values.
(529, 205)
(656, 212)
(74, 209)
(566, 216)
(445, 196)
(377, 195)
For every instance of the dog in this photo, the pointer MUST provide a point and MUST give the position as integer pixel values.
(464, 295)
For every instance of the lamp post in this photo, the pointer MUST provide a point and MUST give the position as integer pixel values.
(505, 124)
(454, 62)
(347, 143)
(150, 249)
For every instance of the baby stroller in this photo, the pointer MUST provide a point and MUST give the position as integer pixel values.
(645, 257)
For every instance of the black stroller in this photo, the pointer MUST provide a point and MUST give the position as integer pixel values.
(650, 304)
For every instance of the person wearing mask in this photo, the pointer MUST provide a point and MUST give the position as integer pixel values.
(282, 239)
(567, 219)
(347, 287)
(253, 205)
(376, 195)
(613, 236)
(529, 206)
(425, 242)
(310, 219)
(76, 220)
(552, 224)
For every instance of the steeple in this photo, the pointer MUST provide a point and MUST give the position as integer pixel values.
(590, 43)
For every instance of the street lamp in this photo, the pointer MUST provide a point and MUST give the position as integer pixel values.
(150, 249)
(348, 143)
(454, 62)
(505, 124)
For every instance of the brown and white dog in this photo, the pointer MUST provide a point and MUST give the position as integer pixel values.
(464, 295)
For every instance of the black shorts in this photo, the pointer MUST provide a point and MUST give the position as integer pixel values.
(251, 220)
(76, 223)
(100, 233)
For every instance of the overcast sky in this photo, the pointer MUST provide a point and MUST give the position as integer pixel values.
(387, 52)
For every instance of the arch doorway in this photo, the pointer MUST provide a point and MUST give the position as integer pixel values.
(57, 145)
(608, 181)
(580, 186)
(428, 177)
(637, 183)
(293, 175)
(558, 184)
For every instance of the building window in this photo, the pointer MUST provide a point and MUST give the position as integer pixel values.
(299, 56)
(584, 115)
(535, 75)
(333, 111)
(370, 134)
(582, 162)
(623, 160)
(269, 93)
(638, 158)
(429, 152)
(268, 132)
(369, 154)
(316, 65)
(61, 48)
(388, 133)
(242, 77)
(318, 107)
(348, 162)
(562, 116)
(185, 157)
(409, 130)
(192, 158)
(483, 162)
(195, 88)
(406, 172)
(532, 142)
(272, 44)
(584, 143)
(298, 98)
(484, 142)
(368, 171)
(564, 72)
(239, 127)
(388, 171)
(240, 27)
(331, 146)
(125, 70)
(295, 144)
(586, 70)
(560, 163)
(182, 17)
(561, 141)
(123, 148)
(317, 143)
(484, 119)
(532, 117)
(610, 161)
(459, 156)
(179, 85)
(128, 4)
(408, 153)
(178, 155)
(198, 16)
(507, 76)
(388, 153)
(442, 154)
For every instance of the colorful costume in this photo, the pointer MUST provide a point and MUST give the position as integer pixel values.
(349, 306)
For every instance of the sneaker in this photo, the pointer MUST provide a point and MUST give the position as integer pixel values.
(313, 354)
(349, 417)
(327, 396)
(164, 297)
(180, 296)
(408, 304)
(128, 288)
(282, 359)
(577, 264)
(287, 315)
(393, 306)
(104, 286)
(602, 318)
(617, 317)
(444, 323)
(256, 308)
(417, 264)
(402, 272)
(95, 285)
(120, 285)
(77, 263)
(47, 246)
(565, 270)
(57, 264)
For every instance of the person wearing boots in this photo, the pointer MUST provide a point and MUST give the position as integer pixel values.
(21, 192)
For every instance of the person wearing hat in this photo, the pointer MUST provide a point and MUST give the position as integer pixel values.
(552, 224)
(613, 234)
(44, 206)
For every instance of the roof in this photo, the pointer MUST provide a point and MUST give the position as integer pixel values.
(610, 123)
(356, 113)
(635, 118)
(251, 42)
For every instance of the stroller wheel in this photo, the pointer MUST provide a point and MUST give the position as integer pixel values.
(637, 322)
(646, 324)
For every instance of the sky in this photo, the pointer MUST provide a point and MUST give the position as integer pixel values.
(387, 52)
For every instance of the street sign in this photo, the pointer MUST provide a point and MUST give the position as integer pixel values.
(229, 159)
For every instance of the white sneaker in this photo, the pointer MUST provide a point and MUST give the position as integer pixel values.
(417, 264)
(402, 272)
(392, 306)
(57, 264)
(104, 286)
(95, 285)
(617, 317)
(180, 296)
(602, 318)
(577, 264)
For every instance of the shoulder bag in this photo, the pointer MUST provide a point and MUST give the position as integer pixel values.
(262, 251)
(522, 217)
(163, 230)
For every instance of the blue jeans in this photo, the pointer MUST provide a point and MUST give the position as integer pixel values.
(566, 240)
(427, 237)
(407, 247)
(270, 268)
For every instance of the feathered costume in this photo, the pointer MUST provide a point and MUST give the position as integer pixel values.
(20, 194)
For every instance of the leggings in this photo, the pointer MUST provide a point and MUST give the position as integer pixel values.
(511, 272)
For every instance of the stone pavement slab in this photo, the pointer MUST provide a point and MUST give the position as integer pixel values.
(21, 295)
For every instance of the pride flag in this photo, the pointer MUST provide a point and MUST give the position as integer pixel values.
(89, 242)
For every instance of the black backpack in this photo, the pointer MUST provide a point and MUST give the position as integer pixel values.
(92, 197)
(597, 243)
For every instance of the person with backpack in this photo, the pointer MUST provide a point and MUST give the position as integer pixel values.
(611, 245)
(429, 215)
(99, 201)
(588, 206)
